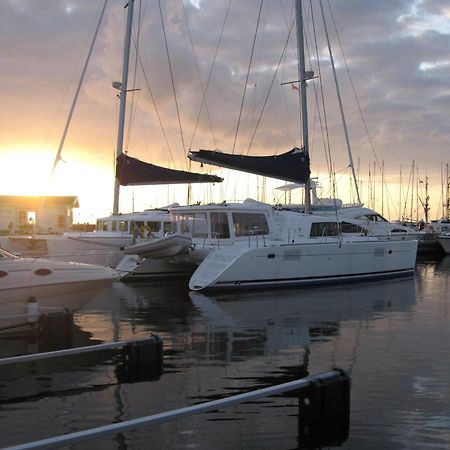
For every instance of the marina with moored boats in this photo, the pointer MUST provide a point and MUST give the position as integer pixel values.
(225, 321)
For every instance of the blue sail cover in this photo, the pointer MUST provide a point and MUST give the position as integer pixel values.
(290, 166)
(133, 172)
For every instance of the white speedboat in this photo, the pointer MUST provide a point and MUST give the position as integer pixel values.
(32, 286)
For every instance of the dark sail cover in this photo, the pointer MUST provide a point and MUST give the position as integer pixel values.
(290, 166)
(133, 172)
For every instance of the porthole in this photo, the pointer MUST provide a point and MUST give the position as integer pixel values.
(43, 272)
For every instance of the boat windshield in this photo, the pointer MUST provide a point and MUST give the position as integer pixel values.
(5, 254)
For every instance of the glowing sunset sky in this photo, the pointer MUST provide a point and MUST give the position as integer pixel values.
(398, 54)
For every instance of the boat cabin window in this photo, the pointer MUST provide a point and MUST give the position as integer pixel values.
(319, 229)
(113, 225)
(102, 225)
(123, 225)
(194, 224)
(200, 225)
(219, 225)
(372, 218)
(168, 228)
(398, 230)
(347, 227)
(154, 227)
(249, 224)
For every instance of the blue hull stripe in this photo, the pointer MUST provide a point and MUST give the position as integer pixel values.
(332, 279)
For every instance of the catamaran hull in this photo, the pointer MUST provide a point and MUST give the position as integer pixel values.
(304, 264)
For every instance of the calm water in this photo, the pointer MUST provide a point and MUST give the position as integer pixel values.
(392, 337)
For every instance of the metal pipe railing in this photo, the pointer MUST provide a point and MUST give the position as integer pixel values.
(107, 430)
(67, 352)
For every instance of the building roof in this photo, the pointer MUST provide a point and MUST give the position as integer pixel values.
(34, 201)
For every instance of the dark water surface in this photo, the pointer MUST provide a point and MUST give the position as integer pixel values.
(392, 337)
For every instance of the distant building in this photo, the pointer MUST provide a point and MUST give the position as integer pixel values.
(30, 214)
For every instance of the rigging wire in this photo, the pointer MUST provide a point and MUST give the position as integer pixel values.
(203, 102)
(60, 106)
(324, 125)
(357, 100)
(270, 89)
(340, 103)
(173, 82)
(201, 84)
(247, 76)
(253, 100)
(133, 106)
(147, 82)
(74, 102)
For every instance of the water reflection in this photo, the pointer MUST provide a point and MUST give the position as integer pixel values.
(277, 320)
(219, 345)
(224, 326)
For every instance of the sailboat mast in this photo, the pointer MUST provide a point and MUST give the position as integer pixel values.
(447, 202)
(302, 93)
(123, 98)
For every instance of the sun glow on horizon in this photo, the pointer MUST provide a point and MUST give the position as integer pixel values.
(27, 172)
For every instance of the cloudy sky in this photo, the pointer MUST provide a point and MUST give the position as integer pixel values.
(397, 53)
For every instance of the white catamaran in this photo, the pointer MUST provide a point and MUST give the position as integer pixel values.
(255, 245)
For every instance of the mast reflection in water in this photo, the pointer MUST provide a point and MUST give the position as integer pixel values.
(391, 337)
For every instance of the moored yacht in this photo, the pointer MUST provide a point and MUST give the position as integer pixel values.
(442, 229)
(284, 248)
(104, 246)
(253, 245)
(32, 286)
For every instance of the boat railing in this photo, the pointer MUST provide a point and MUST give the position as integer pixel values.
(257, 236)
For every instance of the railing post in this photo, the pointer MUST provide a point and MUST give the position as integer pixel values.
(324, 411)
(142, 360)
(55, 330)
